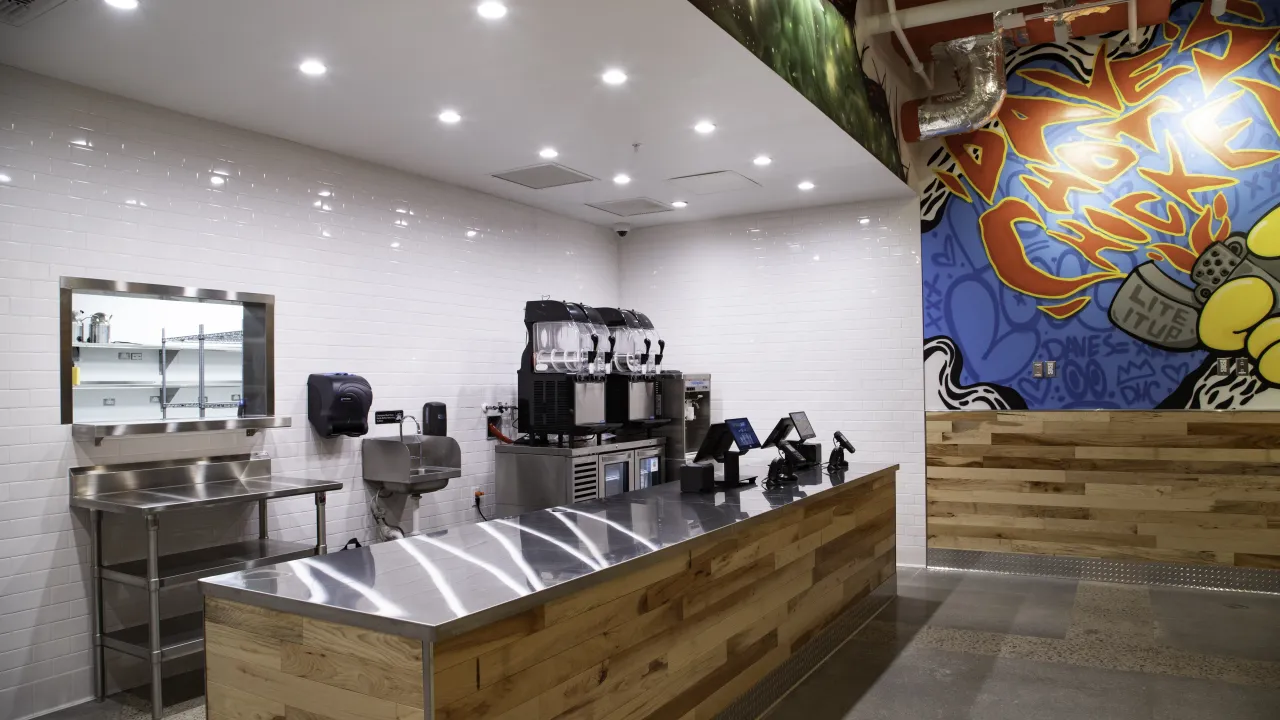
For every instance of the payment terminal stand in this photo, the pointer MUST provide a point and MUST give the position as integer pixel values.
(812, 453)
(699, 476)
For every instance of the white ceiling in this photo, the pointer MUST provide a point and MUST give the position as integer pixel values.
(521, 83)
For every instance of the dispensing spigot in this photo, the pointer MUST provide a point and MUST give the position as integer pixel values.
(644, 357)
(595, 347)
(608, 356)
(662, 348)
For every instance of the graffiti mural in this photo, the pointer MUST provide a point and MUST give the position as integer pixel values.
(810, 44)
(1121, 216)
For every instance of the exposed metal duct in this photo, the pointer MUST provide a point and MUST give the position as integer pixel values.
(979, 63)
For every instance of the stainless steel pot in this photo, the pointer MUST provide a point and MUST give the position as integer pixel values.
(99, 328)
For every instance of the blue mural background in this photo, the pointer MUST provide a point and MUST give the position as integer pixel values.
(1000, 331)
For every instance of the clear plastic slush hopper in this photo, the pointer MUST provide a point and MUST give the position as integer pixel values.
(575, 346)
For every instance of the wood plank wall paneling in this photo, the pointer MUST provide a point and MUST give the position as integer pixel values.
(687, 635)
(1174, 486)
(267, 665)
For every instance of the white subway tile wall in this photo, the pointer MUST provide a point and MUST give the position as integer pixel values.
(416, 285)
(815, 310)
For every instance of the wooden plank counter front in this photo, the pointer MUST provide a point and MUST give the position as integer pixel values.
(689, 629)
(1182, 486)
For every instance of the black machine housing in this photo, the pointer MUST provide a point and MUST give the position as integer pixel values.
(338, 404)
(559, 403)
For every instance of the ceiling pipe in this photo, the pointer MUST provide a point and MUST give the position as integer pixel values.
(1133, 24)
(979, 62)
(935, 13)
(911, 53)
(950, 10)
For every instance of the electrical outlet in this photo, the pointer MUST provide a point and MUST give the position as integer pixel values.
(135, 356)
(235, 398)
(1051, 368)
(1224, 366)
(108, 402)
(1037, 369)
(1242, 366)
(155, 399)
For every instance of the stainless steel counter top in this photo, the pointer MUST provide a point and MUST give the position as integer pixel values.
(444, 583)
(186, 497)
(580, 450)
(148, 488)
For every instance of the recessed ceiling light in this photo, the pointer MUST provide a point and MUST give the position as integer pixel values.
(402, 211)
(313, 67)
(492, 10)
(318, 203)
(5, 178)
(621, 179)
(763, 160)
(548, 153)
(679, 204)
(123, 4)
(450, 117)
(806, 185)
(864, 221)
(395, 244)
(325, 193)
(614, 76)
(217, 180)
(706, 127)
(471, 233)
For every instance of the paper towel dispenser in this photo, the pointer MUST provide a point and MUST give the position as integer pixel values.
(338, 404)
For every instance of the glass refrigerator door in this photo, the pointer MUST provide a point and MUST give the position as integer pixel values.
(615, 474)
(648, 469)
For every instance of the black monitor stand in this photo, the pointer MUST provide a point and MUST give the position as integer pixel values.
(812, 453)
(732, 473)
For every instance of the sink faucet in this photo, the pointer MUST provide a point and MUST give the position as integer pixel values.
(415, 424)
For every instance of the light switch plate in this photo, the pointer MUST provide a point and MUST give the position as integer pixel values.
(1037, 369)
(1242, 366)
(1224, 366)
(1051, 368)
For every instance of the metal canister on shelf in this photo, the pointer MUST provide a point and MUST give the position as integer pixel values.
(99, 328)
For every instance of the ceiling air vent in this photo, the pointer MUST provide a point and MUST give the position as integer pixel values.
(631, 206)
(540, 177)
(21, 12)
(714, 182)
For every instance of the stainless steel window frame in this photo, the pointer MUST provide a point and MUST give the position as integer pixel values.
(259, 313)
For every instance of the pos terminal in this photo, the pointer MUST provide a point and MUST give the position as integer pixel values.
(812, 453)
(699, 476)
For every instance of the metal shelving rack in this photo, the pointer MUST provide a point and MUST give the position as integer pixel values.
(150, 489)
(235, 337)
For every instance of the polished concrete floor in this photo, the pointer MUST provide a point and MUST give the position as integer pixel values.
(957, 645)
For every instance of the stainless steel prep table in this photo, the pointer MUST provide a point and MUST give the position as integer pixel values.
(441, 584)
(148, 490)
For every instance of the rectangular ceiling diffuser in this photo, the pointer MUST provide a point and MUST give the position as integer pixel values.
(21, 12)
(714, 182)
(540, 177)
(631, 206)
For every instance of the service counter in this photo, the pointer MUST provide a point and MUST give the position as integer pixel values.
(648, 603)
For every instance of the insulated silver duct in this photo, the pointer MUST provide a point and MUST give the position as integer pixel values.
(979, 62)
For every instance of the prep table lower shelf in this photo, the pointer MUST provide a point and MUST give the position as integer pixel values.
(190, 566)
(179, 636)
